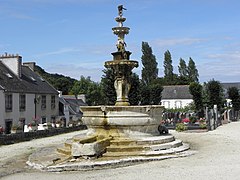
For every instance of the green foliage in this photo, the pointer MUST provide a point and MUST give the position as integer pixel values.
(151, 94)
(196, 91)
(134, 94)
(145, 94)
(81, 86)
(182, 69)
(203, 125)
(181, 127)
(59, 82)
(109, 92)
(91, 89)
(107, 84)
(193, 119)
(155, 92)
(192, 71)
(233, 94)
(214, 94)
(149, 70)
(168, 68)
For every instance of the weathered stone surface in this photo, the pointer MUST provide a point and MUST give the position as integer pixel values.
(90, 149)
(123, 119)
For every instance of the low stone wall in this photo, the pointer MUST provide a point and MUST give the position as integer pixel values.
(27, 136)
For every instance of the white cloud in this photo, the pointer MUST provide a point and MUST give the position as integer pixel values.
(177, 41)
(59, 51)
(222, 67)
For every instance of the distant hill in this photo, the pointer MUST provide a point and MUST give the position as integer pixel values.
(58, 81)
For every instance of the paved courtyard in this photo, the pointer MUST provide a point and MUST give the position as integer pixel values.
(217, 157)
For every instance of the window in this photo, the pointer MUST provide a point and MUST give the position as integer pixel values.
(22, 102)
(44, 119)
(8, 102)
(53, 119)
(166, 104)
(44, 101)
(178, 104)
(53, 102)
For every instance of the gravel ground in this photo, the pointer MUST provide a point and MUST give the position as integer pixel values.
(217, 157)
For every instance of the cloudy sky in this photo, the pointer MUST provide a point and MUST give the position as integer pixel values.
(74, 37)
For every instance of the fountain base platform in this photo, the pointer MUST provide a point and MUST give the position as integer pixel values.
(116, 136)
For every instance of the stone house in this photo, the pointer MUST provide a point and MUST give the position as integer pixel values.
(177, 96)
(24, 95)
(69, 107)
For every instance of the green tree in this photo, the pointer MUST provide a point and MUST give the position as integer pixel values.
(91, 89)
(145, 94)
(58, 81)
(183, 73)
(233, 94)
(156, 92)
(152, 93)
(196, 90)
(214, 94)
(182, 68)
(107, 84)
(192, 71)
(134, 93)
(149, 70)
(168, 68)
(81, 86)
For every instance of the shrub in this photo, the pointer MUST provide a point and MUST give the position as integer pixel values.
(203, 126)
(181, 127)
(193, 119)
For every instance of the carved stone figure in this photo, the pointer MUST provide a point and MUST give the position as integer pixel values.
(120, 10)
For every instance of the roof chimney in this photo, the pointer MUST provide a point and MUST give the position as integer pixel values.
(31, 65)
(13, 62)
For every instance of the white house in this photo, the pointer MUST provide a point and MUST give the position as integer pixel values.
(69, 107)
(177, 96)
(24, 95)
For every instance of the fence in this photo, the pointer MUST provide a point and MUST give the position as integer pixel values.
(212, 119)
(27, 136)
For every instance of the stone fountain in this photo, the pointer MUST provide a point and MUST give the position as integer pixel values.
(121, 131)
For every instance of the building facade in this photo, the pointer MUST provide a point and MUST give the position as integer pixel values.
(25, 97)
(177, 96)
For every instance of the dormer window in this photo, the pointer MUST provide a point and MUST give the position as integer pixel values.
(33, 79)
(43, 80)
(9, 75)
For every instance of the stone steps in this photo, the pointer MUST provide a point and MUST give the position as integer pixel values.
(63, 149)
(134, 148)
(143, 141)
(144, 146)
(170, 151)
(169, 145)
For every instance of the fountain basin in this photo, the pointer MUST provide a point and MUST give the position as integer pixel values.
(123, 121)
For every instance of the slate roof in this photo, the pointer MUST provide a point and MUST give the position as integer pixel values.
(73, 103)
(176, 92)
(226, 86)
(30, 82)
